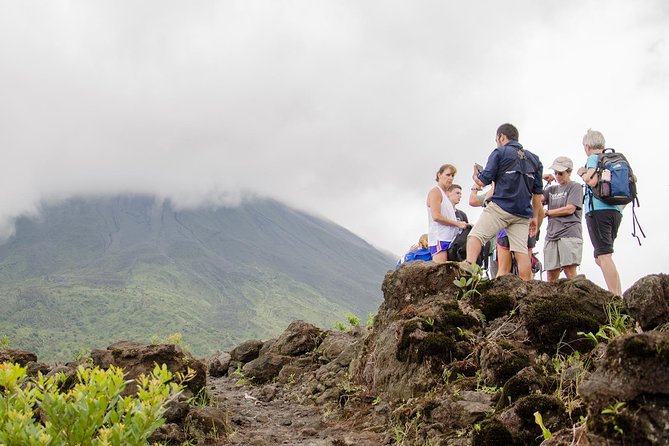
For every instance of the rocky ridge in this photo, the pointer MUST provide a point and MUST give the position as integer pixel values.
(504, 362)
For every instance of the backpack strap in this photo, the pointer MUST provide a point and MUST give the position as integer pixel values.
(635, 223)
(587, 190)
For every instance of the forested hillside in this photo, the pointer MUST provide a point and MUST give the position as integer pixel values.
(87, 272)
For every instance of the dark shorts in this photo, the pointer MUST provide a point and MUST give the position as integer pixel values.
(603, 229)
(503, 242)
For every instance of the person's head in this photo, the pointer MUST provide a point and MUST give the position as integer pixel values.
(445, 174)
(505, 133)
(562, 167)
(593, 141)
(454, 193)
(422, 241)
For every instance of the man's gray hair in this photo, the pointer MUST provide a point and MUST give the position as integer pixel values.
(594, 140)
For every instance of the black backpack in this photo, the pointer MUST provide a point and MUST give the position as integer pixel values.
(457, 250)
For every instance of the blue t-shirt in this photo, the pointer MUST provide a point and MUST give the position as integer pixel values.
(597, 204)
(516, 179)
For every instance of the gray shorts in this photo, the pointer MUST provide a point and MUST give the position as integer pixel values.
(563, 252)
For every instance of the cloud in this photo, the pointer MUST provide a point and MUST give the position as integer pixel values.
(342, 108)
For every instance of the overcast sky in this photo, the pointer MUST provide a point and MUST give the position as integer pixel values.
(342, 108)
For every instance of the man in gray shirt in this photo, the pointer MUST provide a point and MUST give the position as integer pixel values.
(564, 236)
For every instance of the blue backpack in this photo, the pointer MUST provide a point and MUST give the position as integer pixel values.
(419, 254)
(617, 184)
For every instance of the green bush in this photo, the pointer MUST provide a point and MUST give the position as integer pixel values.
(93, 412)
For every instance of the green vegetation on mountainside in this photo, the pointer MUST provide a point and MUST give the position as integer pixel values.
(94, 273)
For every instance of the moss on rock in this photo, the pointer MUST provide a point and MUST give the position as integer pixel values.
(515, 364)
(544, 404)
(552, 412)
(553, 323)
(524, 383)
(638, 347)
(494, 305)
(491, 432)
(438, 339)
(451, 317)
(417, 346)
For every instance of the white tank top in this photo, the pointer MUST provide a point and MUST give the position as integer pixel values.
(437, 231)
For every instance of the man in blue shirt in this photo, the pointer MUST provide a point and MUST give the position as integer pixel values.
(516, 202)
(602, 219)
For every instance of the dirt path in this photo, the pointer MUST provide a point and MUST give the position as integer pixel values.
(275, 415)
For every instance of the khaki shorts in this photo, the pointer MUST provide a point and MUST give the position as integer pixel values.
(495, 218)
(562, 252)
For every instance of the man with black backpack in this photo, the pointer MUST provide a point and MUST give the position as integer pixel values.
(602, 219)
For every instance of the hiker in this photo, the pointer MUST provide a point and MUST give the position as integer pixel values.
(500, 255)
(443, 224)
(505, 258)
(602, 219)
(563, 245)
(457, 249)
(455, 195)
(515, 203)
(478, 197)
(416, 252)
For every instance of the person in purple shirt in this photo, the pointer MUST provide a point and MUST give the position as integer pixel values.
(515, 203)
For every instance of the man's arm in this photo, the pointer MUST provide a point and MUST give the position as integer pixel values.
(474, 197)
(477, 181)
(477, 197)
(488, 175)
(561, 212)
(574, 202)
(537, 199)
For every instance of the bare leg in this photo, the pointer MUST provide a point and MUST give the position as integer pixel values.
(524, 265)
(553, 275)
(611, 276)
(570, 271)
(440, 257)
(503, 261)
(473, 249)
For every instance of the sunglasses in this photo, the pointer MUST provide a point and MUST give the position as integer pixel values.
(561, 173)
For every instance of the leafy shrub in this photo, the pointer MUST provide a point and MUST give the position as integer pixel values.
(92, 413)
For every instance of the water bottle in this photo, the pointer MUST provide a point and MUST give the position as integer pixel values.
(605, 183)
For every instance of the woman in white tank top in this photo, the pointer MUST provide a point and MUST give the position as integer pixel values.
(443, 225)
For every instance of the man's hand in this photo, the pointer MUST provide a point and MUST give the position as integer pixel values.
(475, 177)
(533, 227)
(462, 224)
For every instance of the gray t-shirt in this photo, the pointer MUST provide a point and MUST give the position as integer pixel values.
(557, 196)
